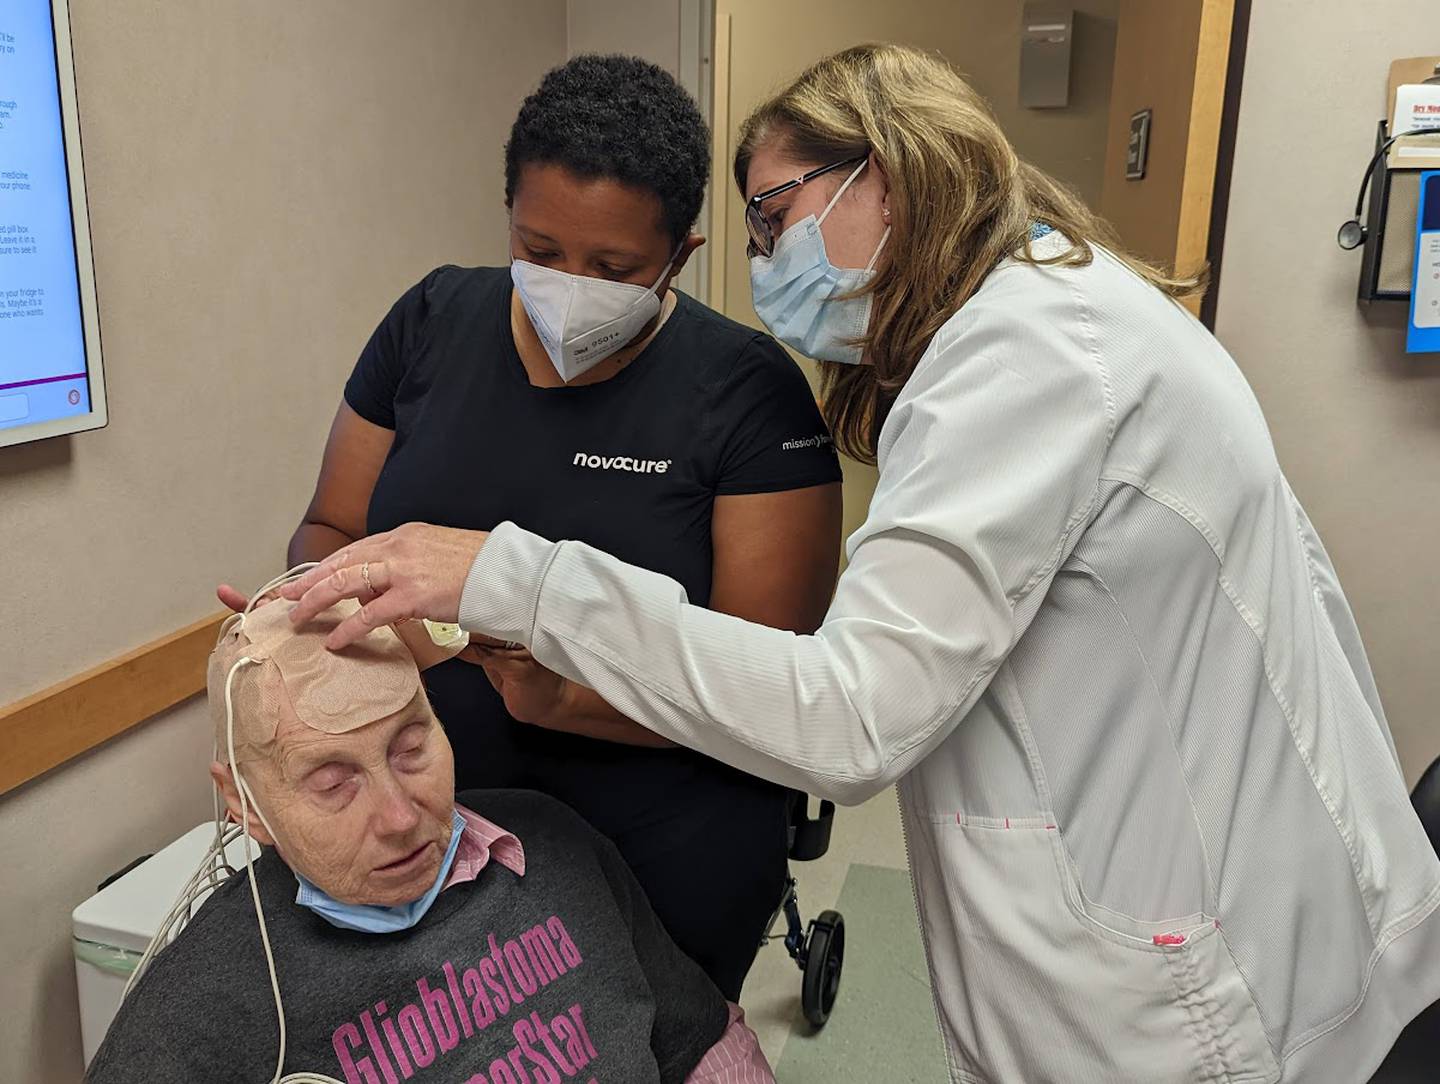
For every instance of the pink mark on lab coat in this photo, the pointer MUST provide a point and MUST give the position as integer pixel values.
(960, 819)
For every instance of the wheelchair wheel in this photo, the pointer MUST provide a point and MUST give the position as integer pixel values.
(824, 959)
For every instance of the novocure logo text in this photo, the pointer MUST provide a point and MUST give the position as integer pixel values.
(621, 462)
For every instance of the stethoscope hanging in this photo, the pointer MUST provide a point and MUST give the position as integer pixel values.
(1352, 233)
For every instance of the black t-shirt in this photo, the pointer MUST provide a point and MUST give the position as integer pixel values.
(631, 465)
(563, 970)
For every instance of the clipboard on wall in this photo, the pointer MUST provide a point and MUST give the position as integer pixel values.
(1405, 154)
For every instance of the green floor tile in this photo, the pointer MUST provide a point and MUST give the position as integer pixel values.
(883, 1026)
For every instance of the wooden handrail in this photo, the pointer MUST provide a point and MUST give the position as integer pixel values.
(57, 724)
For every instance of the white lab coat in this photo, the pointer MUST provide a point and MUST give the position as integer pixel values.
(1156, 824)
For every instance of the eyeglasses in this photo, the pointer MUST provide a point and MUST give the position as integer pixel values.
(762, 237)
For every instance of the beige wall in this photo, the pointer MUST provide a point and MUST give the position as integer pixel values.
(664, 32)
(1357, 423)
(264, 180)
(1154, 69)
(773, 40)
(647, 28)
(1070, 142)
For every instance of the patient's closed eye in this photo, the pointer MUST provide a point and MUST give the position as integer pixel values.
(410, 742)
(328, 778)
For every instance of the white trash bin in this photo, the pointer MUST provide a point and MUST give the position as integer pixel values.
(112, 927)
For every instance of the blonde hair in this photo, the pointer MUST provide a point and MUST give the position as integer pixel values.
(961, 201)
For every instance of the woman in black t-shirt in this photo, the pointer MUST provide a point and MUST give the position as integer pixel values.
(695, 450)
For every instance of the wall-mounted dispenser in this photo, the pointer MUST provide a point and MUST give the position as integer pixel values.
(1047, 36)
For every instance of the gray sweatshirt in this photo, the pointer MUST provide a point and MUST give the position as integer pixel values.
(561, 974)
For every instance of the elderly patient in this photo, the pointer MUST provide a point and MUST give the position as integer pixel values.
(493, 940)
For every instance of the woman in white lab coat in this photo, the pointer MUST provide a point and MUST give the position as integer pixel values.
(1155, 819)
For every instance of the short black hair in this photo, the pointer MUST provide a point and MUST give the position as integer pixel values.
(620, 118)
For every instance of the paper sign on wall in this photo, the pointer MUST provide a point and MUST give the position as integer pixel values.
(1417, 106)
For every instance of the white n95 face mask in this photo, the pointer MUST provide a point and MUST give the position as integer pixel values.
(581, 321)
(800, 295)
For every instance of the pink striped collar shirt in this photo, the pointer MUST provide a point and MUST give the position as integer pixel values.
(480, 841)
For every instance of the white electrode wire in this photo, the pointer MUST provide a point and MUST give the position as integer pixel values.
(203, 880)
(243, 790)
(226, 626)
(207, 875)
(284, 577)
(162, 935)
(210, 864)
(246, 800)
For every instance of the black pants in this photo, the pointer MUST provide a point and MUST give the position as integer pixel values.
(707, 843)
(1415, 1057)
(715, 879)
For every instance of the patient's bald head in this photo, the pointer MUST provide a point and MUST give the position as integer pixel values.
(291, 676)
(340, 750)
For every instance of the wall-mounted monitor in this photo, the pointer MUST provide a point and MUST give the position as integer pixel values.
(51, 378)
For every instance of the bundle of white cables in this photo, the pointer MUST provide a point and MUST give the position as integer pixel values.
(214, 868)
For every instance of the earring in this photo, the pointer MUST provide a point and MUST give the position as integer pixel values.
(886, 212)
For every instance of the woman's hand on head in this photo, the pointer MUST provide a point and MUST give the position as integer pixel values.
(417, 570)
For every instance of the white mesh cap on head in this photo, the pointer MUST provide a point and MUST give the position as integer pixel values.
(294, 674)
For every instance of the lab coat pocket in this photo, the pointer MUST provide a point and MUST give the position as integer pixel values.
(1036, 986)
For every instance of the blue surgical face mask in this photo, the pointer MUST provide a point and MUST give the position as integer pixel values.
(368, 918)
(801, 296)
